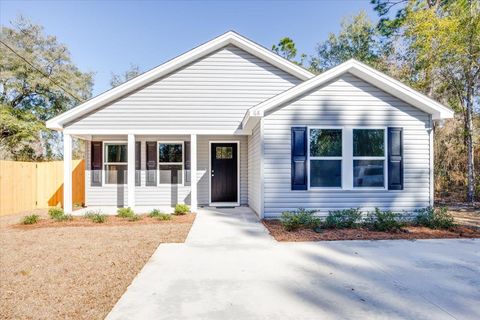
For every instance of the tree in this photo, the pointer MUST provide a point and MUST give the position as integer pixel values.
(442, 56)
(358, 39)
(286, 48)
(37, 82)
(118, 79)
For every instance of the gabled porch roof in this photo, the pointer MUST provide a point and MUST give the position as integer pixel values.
(362, 71)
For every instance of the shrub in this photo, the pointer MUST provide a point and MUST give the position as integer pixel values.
(96, 216)
(181, 209)
(31, 219)
(56, 213)
(339, 219)
(155, 213)
(384, 220)
(292, 220)
(164, 216)
(434, 218)
(125, 212)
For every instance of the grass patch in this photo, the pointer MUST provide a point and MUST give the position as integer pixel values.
(30, 219)
(181, 209)
(155, 213)
(125, 213)
(164, 216)
(96, 216)
(135, 217)
(56, 213)
(65, 217)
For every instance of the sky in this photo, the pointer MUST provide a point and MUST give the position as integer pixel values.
(108, 36)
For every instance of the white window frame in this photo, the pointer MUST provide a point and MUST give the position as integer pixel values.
(105, 162)
(309, 157)
(170, 163)
(384, 158)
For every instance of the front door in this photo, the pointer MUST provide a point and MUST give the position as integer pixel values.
(224, 172)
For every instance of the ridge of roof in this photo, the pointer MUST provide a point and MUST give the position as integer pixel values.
(228, 38)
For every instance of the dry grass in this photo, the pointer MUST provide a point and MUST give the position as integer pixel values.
(466, 215)
(409, 233)
(55, 271)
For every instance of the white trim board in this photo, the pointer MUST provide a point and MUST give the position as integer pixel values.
(146, 132)
(228, 38)
(210, 203)
(362, 71)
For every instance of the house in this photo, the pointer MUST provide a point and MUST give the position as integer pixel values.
(230, 123)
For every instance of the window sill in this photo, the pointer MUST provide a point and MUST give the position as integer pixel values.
(345, 190)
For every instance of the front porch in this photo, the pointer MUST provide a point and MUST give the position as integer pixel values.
(159, 171)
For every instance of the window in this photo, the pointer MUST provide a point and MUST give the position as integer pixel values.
(224, 152)
(325, 156)
(170, 162)
(115, 163)
(369, 158)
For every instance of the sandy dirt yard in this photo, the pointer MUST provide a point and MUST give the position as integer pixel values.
(75, 272)
(468, 216)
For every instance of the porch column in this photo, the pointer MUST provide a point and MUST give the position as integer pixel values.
(131, 170)
(67, 173)
(193, 172)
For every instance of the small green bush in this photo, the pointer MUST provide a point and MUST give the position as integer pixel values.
(155, 213)
(56, 213)
(181, 209)
(384, 220)
(31, 219)
(96, 216)
(340, 219)
(433, 218)
(125, 212)
(164, 216)
(135, 217)
(292, 220)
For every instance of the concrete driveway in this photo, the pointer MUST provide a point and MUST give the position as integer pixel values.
(230, 268)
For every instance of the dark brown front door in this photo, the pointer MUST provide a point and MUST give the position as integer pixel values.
(224, 173)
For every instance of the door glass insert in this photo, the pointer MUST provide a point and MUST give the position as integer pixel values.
(223, 153)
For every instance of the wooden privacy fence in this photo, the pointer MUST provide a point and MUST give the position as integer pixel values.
(30, 185)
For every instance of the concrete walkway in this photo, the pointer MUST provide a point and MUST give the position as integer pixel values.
(230, 268)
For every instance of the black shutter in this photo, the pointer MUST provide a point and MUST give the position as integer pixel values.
(395, 158)
(151, 164)
(138, 171)
(186, 162)
(299, 158)
(96, 164)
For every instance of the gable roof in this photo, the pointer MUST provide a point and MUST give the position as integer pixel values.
(362, 71)
(228, 38)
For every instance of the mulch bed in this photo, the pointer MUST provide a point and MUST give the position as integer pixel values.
(109, 222)
(75, 269)
(409, 233)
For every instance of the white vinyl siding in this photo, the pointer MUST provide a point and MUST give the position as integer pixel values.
(212, 93)
(164, 194)
(345, 101)
(255, 170)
